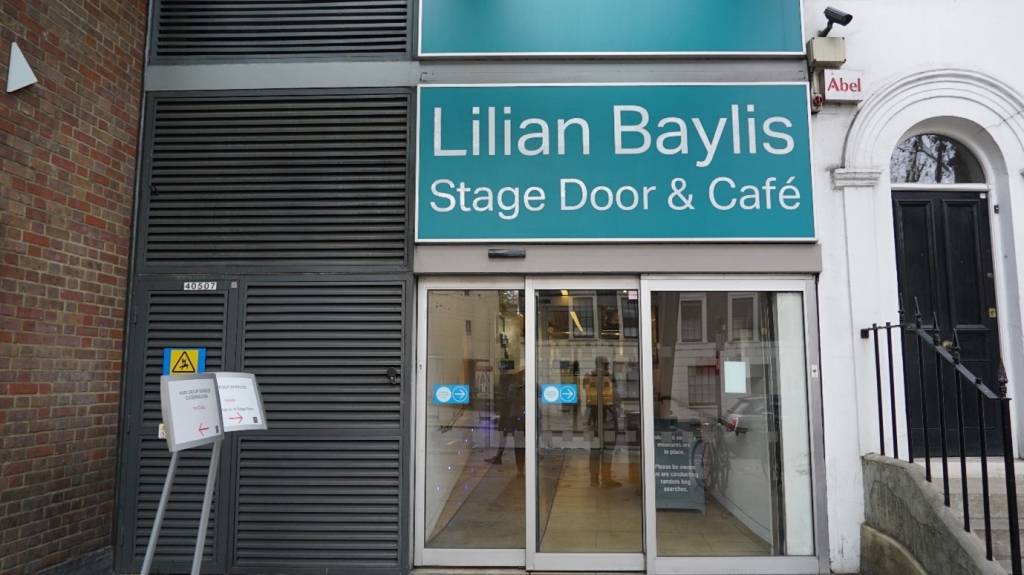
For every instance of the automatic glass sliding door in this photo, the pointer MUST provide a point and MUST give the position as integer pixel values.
(605, 424)
(730, 472)
(472, 435)
(584, 424)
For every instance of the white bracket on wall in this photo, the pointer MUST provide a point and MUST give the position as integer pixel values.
(19, 73)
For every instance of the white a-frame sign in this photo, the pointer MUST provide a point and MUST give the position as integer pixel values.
(198, 409)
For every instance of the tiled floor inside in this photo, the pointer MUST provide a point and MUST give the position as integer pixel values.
(577, 516)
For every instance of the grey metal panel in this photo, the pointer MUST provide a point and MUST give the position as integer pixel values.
(301, 75)
(247, 29)
(621, 258)
(319, 501)
(167, 317)
(321, 352)
(324, 488)
(297, 182)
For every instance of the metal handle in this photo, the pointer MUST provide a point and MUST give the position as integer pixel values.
(392, 376)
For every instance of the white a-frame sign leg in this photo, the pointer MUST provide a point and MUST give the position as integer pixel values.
(193, 415)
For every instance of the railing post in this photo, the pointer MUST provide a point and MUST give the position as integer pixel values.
(1011, 477)
(924, 393)
(960, 429)
(906, 384)
(878, 387)
(936, 335)
(892, 392)
(984, 470)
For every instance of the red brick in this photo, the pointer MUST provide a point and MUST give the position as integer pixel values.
(35, 239)
(23, 389)
(67, 169)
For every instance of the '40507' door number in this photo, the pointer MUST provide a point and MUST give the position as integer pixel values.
(199, 286)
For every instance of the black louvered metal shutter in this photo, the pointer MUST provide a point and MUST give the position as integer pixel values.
(323, 487)
(310, 182)
(173, 319)
(247, 29)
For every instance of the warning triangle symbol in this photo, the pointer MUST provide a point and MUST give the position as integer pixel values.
(183, 364)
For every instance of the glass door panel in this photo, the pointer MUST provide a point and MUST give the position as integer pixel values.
(475, 452)
(588, 448)
(732, 460)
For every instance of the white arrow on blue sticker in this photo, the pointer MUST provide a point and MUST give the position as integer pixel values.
(568, 394)
(460, 394)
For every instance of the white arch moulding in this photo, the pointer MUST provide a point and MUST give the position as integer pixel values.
(985, 114)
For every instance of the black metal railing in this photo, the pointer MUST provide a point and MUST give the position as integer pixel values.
(917, 341)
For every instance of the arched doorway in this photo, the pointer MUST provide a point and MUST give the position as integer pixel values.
(945, 272)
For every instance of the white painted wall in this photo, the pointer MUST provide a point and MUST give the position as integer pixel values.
(893, 41)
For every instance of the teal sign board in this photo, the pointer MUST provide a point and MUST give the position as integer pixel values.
(593, 163)
(609, 27)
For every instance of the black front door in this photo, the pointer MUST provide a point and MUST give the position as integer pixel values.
(944, 262)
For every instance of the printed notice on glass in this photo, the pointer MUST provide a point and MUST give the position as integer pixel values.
(678, 468)
(240, 402)
(190, 409)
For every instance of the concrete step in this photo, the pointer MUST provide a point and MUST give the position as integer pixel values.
(996, 468)
(1006, 564)
(1000, 541)
(998, 507)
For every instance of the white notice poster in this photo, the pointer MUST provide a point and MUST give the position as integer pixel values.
(240, 401)
(190, 410)
(735, 377)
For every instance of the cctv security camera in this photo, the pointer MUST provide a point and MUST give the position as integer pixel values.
(835, 16)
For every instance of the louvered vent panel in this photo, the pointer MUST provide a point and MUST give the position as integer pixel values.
(183, 320)
(313, 501)
(236, 29)
(282, 181)
(321, 353)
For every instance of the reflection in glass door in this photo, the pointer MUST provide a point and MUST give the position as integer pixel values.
(474, 435)
(588, 424)
(731, 422)
(589, 489)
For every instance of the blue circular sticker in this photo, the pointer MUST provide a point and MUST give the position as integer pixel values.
(443, 394)
(550, 394)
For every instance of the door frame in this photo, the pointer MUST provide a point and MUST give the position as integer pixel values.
(805, 285)
(535, 559)
(648, 561)
(422, 555)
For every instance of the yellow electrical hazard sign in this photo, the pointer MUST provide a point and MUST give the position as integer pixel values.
(182, 361)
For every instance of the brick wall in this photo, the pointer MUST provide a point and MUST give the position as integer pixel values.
(67, 165)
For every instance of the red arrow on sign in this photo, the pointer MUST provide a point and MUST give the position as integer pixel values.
(237, 418)
(203, 429)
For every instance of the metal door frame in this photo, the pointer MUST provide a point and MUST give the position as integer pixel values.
(648, 560)
(130, 427)
(424, 556)
(817, 563)
(535, 559)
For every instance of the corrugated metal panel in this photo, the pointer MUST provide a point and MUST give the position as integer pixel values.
(236, 29)
(307, 501)
(278, 181)
(323, 486)
(321, 352)
(175, 319)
